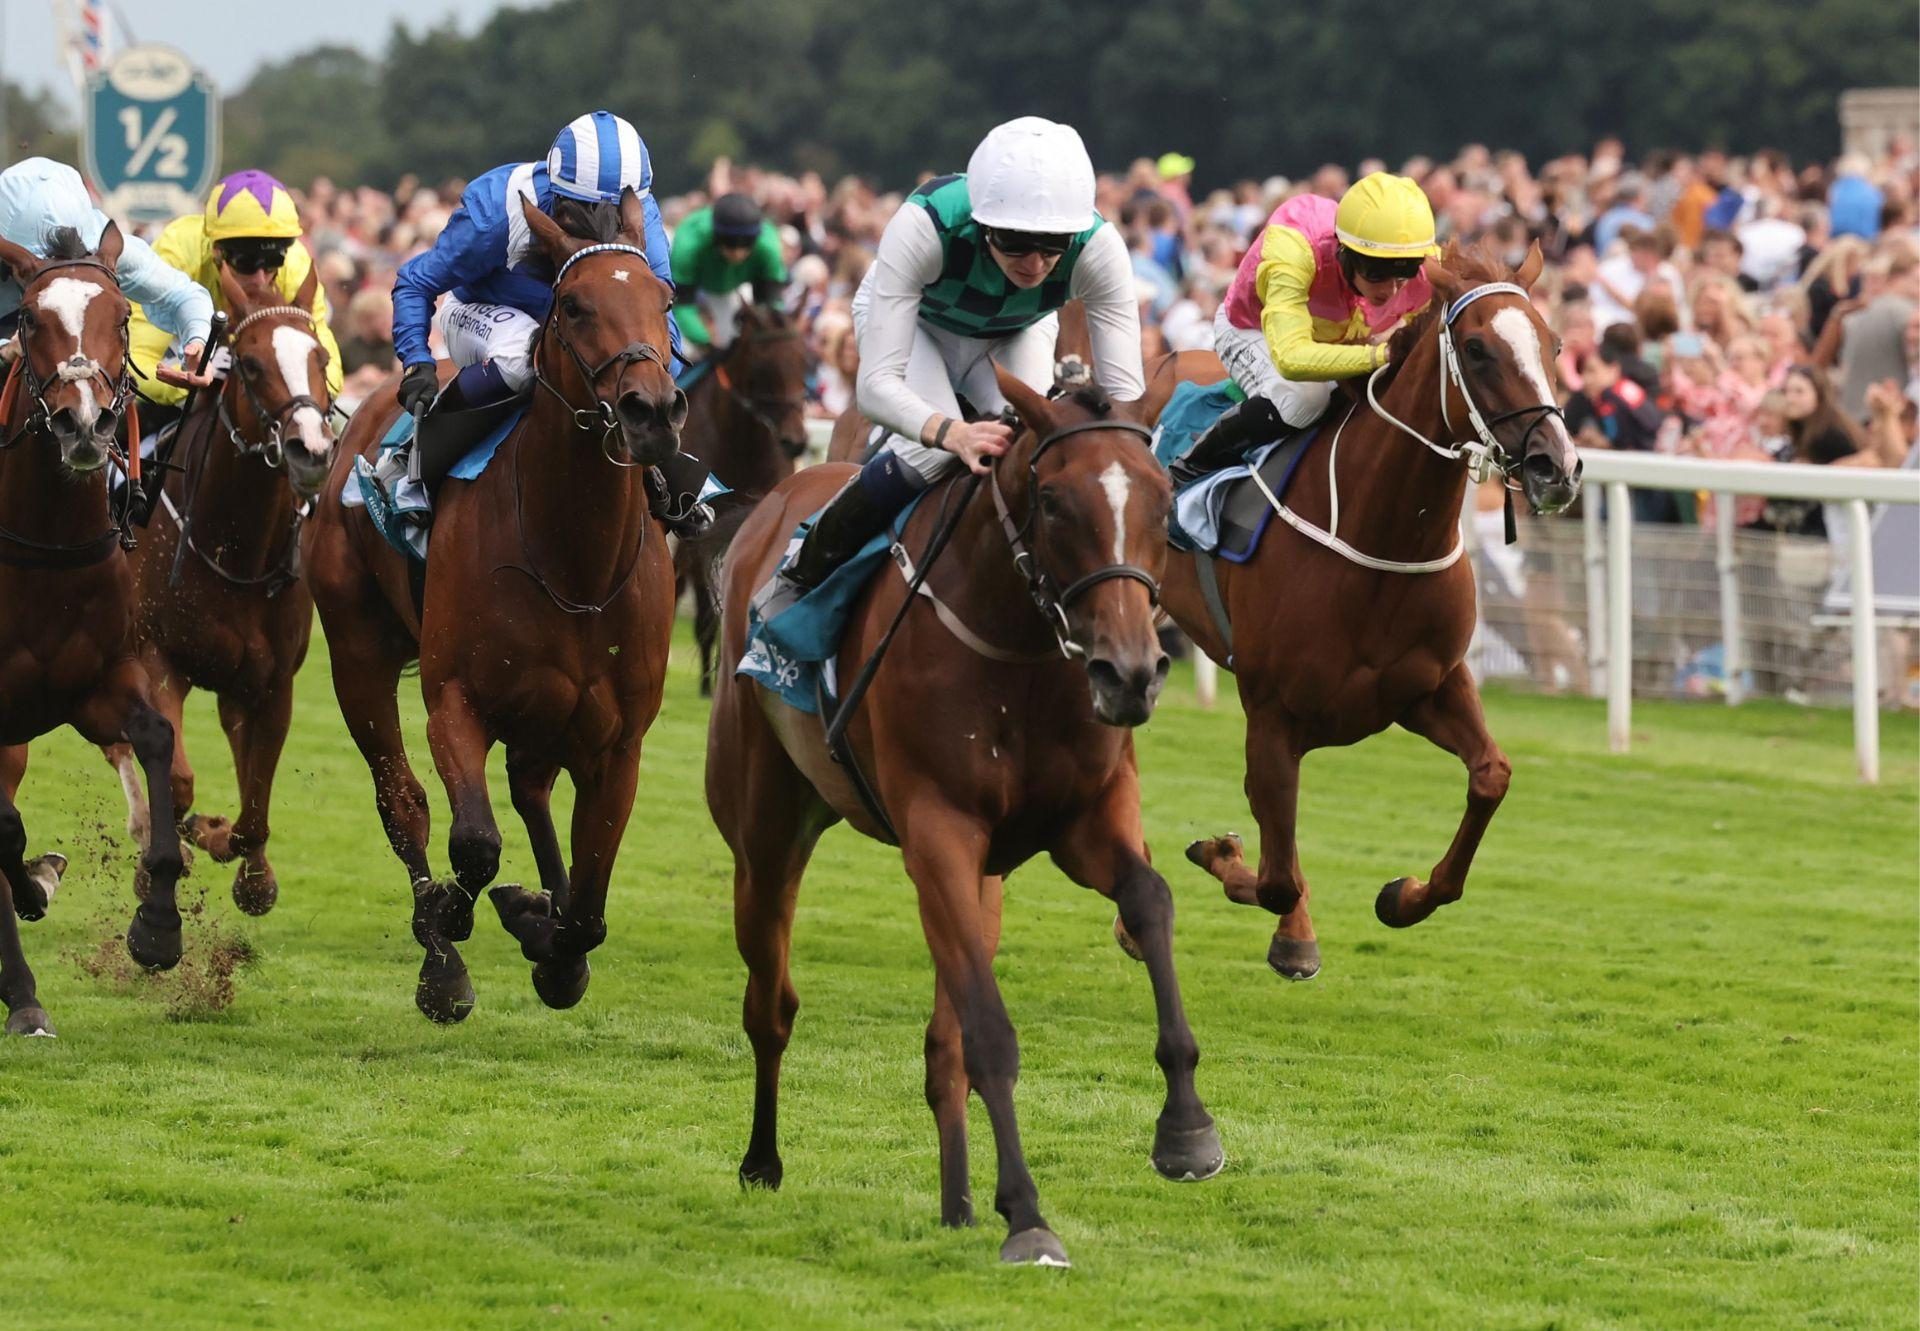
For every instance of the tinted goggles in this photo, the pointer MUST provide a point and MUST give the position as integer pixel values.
(255, 256)
(1019, 244)
(1376, 269)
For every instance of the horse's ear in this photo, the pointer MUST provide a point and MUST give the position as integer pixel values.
(1032, 406)
(18, 261)
(309, 288)
(111, 243)
(1446, 285)
(1529, 270)
(230, 288)
(633, 217)
(553, 242)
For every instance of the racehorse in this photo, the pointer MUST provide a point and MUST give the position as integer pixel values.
(66, 635)
(746, 419)
(221, 604)
(1355, 613)
(990, 735)
(547, 609)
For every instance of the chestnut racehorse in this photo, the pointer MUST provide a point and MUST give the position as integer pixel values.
(996, 729)
(1338, 634)
(747, 420)
(548, 606)
(66, 592)
(221, 604)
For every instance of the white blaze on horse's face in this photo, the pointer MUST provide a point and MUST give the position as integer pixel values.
(1115, 482)
(1516, 328)
(293, 351)
(66, 299)
(622, 274)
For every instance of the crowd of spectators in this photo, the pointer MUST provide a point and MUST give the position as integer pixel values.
(1722, 306)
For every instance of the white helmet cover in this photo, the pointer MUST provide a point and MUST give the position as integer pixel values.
(1031, 174)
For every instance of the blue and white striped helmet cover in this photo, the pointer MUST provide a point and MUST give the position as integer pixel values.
(596, 157)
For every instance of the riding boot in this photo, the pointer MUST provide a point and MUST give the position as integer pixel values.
(474, 387)
(674, 490)
(1253, 422)
(855, 516)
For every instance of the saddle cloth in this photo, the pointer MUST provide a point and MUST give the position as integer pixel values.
(1223, 513)
(398, 504)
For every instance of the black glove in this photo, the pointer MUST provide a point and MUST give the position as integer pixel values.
(418, 387)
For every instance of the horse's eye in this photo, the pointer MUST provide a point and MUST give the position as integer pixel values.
(570, 307)
(250, 367)
(1050, 505)
(1477, 351)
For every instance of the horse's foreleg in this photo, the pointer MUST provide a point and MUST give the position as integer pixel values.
(947, 1084)
(1451, 718)
(1106, 851)
(944, 855)
(706, 617)
(169, 690)
(122, 712)
(33, 893)
(443, 913)
(1273, 790)
(25, 1016)
(256, 737)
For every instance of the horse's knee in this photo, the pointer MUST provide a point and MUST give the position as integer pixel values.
(182, 792)
(1488, 781)
(768, 1012)
(1144, 900)
(475, 854)
(13, 835)
(990, 1051)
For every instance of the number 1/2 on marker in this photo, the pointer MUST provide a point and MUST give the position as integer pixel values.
(143, 147)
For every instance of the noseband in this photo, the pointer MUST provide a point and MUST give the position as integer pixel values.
(601, 414)
(1053, 603)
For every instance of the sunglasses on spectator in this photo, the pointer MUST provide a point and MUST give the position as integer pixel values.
(1385, 270)
(1019, 244)
(254, 258)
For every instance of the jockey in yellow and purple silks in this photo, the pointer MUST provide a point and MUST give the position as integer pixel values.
(1314, 301)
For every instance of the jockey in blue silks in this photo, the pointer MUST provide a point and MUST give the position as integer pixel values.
(499, 285)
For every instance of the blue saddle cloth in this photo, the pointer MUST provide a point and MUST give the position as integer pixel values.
(792, 654)
(391, 506)
(1201, 520)
(692, 373)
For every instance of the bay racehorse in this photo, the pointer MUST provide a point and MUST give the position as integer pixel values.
(66, 592)
(747, 420)
(220, 603)
(1341, 627)
(997, 729)
(547, 609)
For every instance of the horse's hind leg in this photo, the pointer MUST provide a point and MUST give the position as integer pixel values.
(947, 1084)
(1451, 718)
(1273, 789)
(25, 1016)
(256, 736)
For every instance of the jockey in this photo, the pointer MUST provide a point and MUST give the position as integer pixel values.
(971, 272)
(37, 197)
(716, 251)
(252, 229)
(1313, 302)
(502, 286)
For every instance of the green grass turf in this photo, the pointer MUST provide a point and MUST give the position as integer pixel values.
(1658, 1069)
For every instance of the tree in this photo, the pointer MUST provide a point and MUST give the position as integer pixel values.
(36, 126)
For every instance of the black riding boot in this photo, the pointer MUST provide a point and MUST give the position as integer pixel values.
(673, 492)
(855, 516)
(460, 417)
(1253, 422)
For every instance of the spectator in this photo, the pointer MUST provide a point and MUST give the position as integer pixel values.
(1619, 280)
(1854, 201)
(1817, 433)
(1873, 338)
(1612, 411)
(1629, 210)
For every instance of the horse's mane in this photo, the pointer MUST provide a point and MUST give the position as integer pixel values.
(598, 223)
(64, 242)
(1468, 268)
(1090, 397)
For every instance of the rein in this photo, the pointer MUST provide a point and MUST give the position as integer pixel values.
(1485, 456)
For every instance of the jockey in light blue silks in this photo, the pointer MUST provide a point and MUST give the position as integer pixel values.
(499, 285)
(38, 197)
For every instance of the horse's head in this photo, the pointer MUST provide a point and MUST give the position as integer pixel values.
(1504, 351)
(73, 328)
(276, 399)
(766, 371)
(1095, 522)
(609, 317)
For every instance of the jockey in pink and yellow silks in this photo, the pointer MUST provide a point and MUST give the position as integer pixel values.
(1314, 301)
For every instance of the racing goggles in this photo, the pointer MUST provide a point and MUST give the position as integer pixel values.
(1019, 244)
(1376, 269)
(252, 256)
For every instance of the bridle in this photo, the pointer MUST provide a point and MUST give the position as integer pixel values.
(77, 368)
(601, 414)
(1051, 601)
(764, 410)
(272, 449)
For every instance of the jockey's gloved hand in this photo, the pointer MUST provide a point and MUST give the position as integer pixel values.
(418, 387)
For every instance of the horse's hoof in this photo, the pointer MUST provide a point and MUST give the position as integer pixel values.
(762, 1173)
(1188, 1155)
(528, 916)
(445, 993)
(31, 898)
(1386, 906)
(1294, 958)
(1125, 940)
(961, 1217)
(561, 984)
(156, 947)
(30, 1021)
(1034, 1247)
(1208, 849)
(255, 893)
(211, 832)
